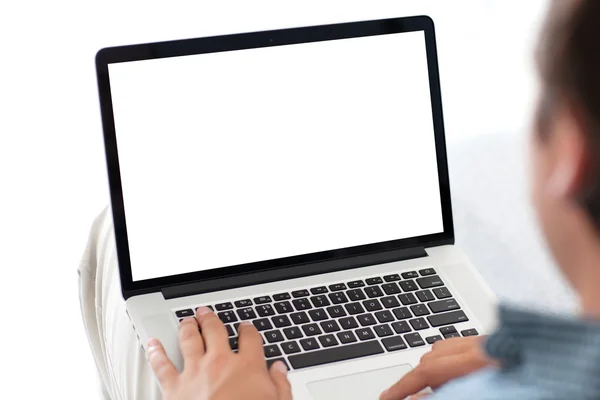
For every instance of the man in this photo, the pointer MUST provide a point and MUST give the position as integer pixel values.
(530, 356)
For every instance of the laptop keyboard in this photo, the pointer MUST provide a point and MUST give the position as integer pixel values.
(347, 320)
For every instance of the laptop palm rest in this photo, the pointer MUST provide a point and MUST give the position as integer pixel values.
(364, 385)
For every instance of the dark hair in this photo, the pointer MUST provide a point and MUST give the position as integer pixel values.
(569, 64)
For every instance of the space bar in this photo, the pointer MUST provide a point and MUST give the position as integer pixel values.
(336, 354)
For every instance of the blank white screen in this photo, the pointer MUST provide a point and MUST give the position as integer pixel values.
(243, 156)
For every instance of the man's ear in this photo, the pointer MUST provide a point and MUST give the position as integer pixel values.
(571, 160)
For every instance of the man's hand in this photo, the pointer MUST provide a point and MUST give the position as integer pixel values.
(447, 360)
(212, 371)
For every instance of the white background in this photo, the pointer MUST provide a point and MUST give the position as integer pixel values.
(245, 156)
(52, 175)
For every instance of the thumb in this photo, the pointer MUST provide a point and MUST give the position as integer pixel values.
(163, 368)
(278, 374)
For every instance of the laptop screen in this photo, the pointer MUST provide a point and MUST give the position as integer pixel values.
(250, 155)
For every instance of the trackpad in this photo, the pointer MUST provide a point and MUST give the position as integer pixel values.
(363, 385)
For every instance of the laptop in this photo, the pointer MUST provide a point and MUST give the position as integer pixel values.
(298, 179)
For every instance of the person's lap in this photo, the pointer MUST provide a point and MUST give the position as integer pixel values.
(122, 366)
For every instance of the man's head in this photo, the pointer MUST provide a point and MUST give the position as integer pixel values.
(566, 140)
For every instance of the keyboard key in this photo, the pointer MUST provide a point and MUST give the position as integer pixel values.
(410, 275)
(301, 304)
(402, 313)
(229, 330)
(209, 307)
(335, 354)
(356, 295)
(292, 332)
(299, 318)
(389, 302)
(320, 301)
(272, 350)
(348, 323)
(188, 312)
(233, 343)
(414, 339)
(346, 337)
(427, 271)
(272, 361)
(354, 308)
(265, 310)
(451, 317)
(407, 298)
(338, 298)
(365, 333)
(447, 329)
(374, 281)
(394, 343)
(366, 320)
(336, 311)
(430, 281)
(243, 303)
(470, 332)
(281, 296)
(262, 324)
(262, 299)
(384, 316)
(451, 335)
(274, 336)
(227, 317)
(373, 291)
(330, 326)
(309, 344)
(319, 290)
(391, 278)
(328, 340)
(401, 327)
(408, 286)
(442, 293)
(425, 295)
(223, 306)
(311, 329)
(337, 287)
(443, 305)
(356, 284)
(418, 324)
(390, 288)
(246, 313)
(300, 293)
(318, 314)
(372, 305)
(419, 310)
(284, 307)
(433, 339)
(290, 347)
(281, 321)
(383, 330)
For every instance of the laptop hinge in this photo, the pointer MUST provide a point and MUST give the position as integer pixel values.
(296, 271)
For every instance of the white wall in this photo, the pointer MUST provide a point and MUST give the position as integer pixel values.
(52, 175)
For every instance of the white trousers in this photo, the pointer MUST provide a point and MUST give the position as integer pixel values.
(122, 367)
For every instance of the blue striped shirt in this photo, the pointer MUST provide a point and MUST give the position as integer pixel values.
(541, 357)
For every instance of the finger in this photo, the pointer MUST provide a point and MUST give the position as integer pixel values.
(213, 331)
(418, 396)
(455, 345)
(190, 341)
(163, 368)
(250, 342)
(278, 373)
(435, 373)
